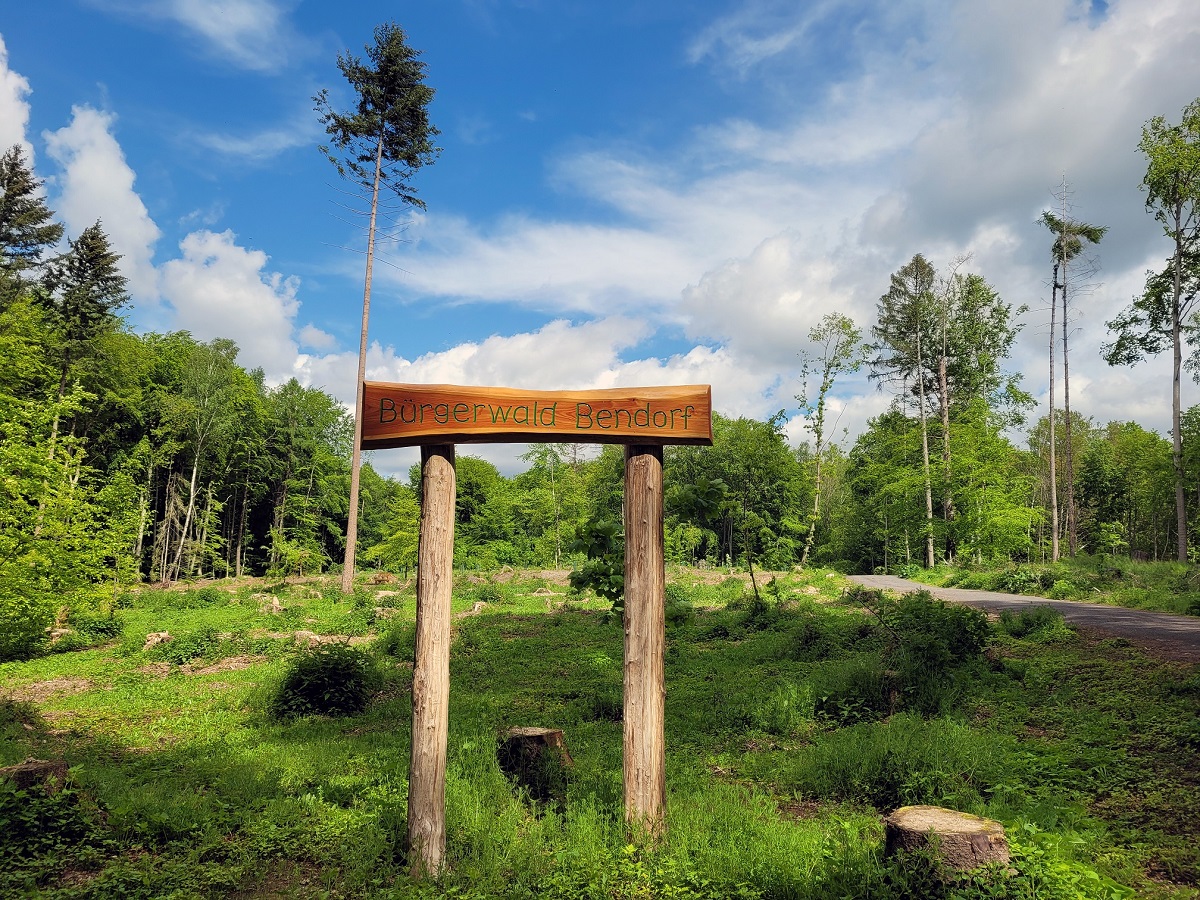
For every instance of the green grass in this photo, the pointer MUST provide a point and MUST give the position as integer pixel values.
(792, 723)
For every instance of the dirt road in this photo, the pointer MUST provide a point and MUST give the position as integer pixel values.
(1174, 636)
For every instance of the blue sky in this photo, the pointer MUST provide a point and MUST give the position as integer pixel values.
(628, 193)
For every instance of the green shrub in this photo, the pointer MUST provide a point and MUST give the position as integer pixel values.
(788, 710)
(857, 689)
(816, 634)
(96, 626)
(41, 829)
(398, 641)
(23, 624)
(731, 590)
(905, 760)
(1063, 590)
(491, 593)
(1020, 580)
(329, 679)
(1033, 620)
(679, 608)
(186, 646)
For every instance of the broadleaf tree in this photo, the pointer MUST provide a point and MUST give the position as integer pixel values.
(380, 144)
(1159, 317)
(840, 351)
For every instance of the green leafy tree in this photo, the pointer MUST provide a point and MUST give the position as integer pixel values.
(380, 144)
(397, 550)
(1158, 317)
(841, 351)
(907, 320)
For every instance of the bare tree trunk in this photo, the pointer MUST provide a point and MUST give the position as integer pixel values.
(1069, 488)
(645, 686)
(356, 451)
(241, 535)
(948, 511)
(187, 518)
(426, 837)
(1181, 538)
(812, 526)
(1053, 461)
(925, 458)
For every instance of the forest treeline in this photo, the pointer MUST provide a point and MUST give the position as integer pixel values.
(130, 457)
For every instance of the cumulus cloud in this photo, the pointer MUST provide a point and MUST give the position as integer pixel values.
(316, 339)
(97, 183)
(219, 289)
(14, 108)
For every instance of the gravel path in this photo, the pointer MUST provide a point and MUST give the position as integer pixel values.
(1174, 636)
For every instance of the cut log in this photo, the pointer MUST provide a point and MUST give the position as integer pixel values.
(536, 759)
(960, 840)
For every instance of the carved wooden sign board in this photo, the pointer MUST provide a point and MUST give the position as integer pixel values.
(409, 415)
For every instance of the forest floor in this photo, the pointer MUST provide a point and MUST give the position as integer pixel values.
(1175, 636)
(794, 722)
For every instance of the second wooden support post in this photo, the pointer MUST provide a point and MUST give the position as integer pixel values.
(645, 600)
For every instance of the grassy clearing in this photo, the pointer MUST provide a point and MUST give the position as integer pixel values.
(792, 723)
(1161, 586)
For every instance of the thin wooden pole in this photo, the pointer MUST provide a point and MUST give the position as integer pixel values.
(645, 636)
(431, 667)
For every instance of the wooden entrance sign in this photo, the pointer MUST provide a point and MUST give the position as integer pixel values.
(409, 415)
(435, 418)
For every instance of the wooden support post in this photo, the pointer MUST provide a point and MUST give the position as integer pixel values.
(426, 839)
(645, 630)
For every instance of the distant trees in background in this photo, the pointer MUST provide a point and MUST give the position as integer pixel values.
(157, 457)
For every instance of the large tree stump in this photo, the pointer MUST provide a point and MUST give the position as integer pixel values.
(537, 760)
(960, 840)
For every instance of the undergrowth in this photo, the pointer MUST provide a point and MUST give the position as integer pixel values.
(793, 721)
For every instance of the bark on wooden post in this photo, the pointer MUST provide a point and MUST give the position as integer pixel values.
(645, 691)
(431, 667)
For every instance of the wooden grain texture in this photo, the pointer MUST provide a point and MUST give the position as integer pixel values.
(426, 838)
(645, 636)
(407, 415)
(960, 840)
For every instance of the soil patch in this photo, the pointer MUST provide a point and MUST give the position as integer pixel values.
(230, 664)
(40, 691)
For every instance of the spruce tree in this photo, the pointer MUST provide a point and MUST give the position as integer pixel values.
(381, 143)
(27, 226)
(86, 290)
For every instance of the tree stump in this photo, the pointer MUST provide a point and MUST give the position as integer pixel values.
(537, 760)
(960, 840)
(50, 774)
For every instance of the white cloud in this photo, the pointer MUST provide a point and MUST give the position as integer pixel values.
(219, 289)
(558, 356)
(252, 34)
(97, 183)
(315, 338)
(14, 108)
(263, 145)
